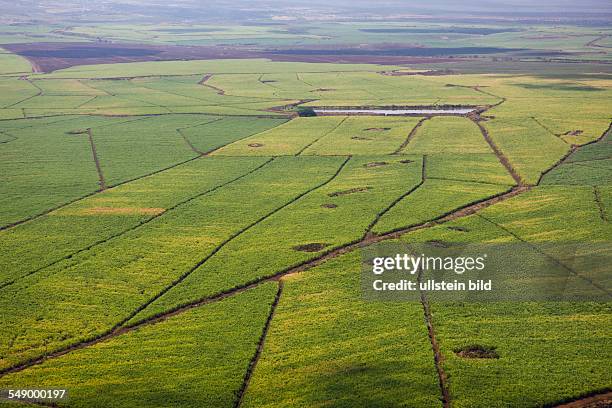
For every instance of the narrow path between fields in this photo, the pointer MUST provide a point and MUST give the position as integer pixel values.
(500, 155)
(378, 216)
(435, 347)
(302, 150)
(411, 135)
(140, 117)
(39, 93)
(304, 266)
(140, 224)
(92, 144)
(600, 204)
(552, 258)
(228, 240)
(260, 346)
(204, 82)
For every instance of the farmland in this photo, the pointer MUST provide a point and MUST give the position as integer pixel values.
(178, 227)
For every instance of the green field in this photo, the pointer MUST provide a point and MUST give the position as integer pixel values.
(186, 233)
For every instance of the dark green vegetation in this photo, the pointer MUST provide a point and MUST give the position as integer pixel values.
(172, 233)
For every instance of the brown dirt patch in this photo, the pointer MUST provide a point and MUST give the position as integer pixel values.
(77, 132)
(360, 138)
(311, 247)
(375, 164)
(573, 132)
(255, 145)
(53, 56)
(406, 161)
(377, 129)
(329, 205)
(477, 351)
(323, 90)
(47, 56)
(460, 229)
(349, 191)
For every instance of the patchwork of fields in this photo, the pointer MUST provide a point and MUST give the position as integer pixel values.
(174, 233)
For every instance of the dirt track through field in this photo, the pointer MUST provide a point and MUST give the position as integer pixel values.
(39, 93)
(600, 204)
(204, 82)
(598, 400)
(140, 224)
(121, 328)
(549, 130)
(467, 210)
(435, 347)
(500, 155)
(258, 351)
(55, 208)
(230, 239)
(411, 135)
(400, 198)
(189, 143)
(550, 257)
(302, 150)
(101, 181)
(573, 149)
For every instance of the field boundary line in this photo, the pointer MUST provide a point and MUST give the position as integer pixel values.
(94, 152)
(186, 139)
(435, 346)
(573, 150)
(140, 224)
(489, 183)
(549, 130)
(302, 150)
(500, 155)
(204, 82)
(411, 135)
(39, 93)
(585, 401)
(400, 198)
(552, 258)
(600, 204)
(92, 193)
(121, 328)
(226, 241)
(260, 345)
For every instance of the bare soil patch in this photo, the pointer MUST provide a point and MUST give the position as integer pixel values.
(375, 164)
(255, 145)
(329, 205)
(477, 351)
(573, 132)
(53, 56)
(406, 161)
(361, 138)
(349, 191)
(311, 247)
(47, 57)
(460, 229)
(377, 129)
